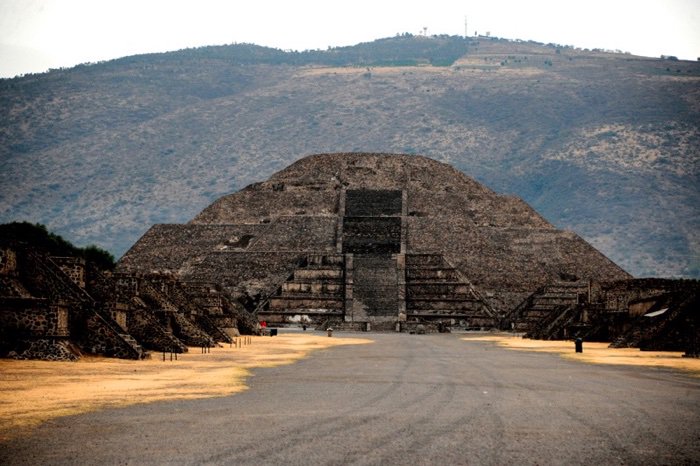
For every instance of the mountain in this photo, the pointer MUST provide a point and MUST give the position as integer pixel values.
(604, 144)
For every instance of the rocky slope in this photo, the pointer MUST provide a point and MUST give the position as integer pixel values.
(603, 144)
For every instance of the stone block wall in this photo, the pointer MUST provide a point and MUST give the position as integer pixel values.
(42, 277)
(126, 285)
(30, 327)
(73, 267)
(103, 338)
(478, 209)
(8, 261)
(118, 312)
(371, 235)
(246, 274)
(372, 222)
(206, 297)
(33, 317)
(172, 248)
(509, 262)
(299, 234)
(145, 327)
(617, 295)
(305, 304)
(314, 291)
(263, 202)
(189, 332)
(47, 349)
(436, 291)
(211, 328)
(373, 203)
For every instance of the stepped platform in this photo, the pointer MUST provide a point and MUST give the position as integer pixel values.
(436, 290)
(315, 288)
(378, 238)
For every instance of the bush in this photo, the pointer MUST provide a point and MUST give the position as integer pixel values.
(38, 236)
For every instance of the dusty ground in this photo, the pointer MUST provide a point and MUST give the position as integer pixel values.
(36, 391)
(403, 400)
(32, 392)
(597, 353)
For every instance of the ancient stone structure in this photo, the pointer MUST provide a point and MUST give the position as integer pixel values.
(354, 241)
(59, 308)
(650, 314)
(42, 305)
(371, 241)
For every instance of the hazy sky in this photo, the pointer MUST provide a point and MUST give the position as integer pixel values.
(39, 34)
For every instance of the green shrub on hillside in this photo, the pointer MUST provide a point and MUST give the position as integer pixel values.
(38, 236)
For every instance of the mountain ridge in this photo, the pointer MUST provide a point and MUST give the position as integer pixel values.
(599, 143)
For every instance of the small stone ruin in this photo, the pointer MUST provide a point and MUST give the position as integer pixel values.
(58, 308)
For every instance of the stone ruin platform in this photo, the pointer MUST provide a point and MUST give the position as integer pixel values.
(376, 241)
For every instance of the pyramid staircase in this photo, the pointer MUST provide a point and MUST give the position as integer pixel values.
(543, 306)
(375, 286)
(436, 290)
(554, 325)
(169, 315)
(316, 287)
(48, 279)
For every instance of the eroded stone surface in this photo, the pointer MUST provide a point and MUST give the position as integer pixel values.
(379, 208)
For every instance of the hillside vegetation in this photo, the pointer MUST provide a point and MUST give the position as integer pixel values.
(603, 144)
(39, 237)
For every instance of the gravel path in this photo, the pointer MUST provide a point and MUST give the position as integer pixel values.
(406, 399)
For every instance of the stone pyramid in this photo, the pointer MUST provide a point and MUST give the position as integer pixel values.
(371, 239)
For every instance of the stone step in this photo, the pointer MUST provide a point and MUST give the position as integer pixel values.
(437, 305)
(566, 296)
(428, 274)
(318, 274)
(302, 310)
(305, 302)
(365, 202)
(542, 307)
(312, 288)
(448, 313)
(132, 342)
(309, 296)
(455, 290)
(321, 260)
(424, 261)
(456, 298)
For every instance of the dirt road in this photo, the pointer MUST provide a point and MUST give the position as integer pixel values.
(405, 399)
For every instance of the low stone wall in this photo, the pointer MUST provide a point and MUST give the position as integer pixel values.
(8, 261)
(44, 348)
(33, 317)
(170, 247)
(73, 267)
(246, 274)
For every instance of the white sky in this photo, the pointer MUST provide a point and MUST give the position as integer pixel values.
(39, 34)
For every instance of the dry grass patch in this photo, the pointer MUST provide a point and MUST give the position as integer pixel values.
(598, 353)
(32, 392)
